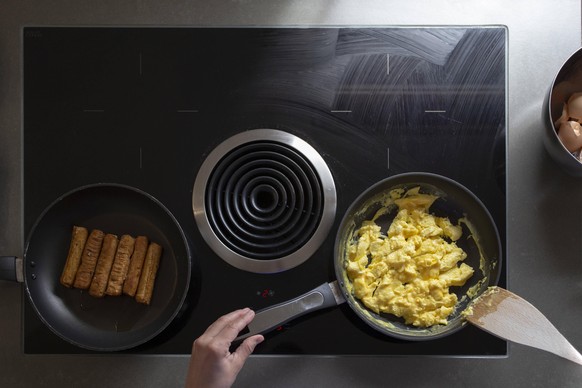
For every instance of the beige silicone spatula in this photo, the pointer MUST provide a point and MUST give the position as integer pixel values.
(506, 315)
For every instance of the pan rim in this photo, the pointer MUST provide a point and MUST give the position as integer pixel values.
(170, 218)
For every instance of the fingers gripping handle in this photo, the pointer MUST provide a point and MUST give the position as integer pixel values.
(11, 268)
(271, 317)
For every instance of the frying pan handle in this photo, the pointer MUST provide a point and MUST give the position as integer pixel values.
(11, 268)
(267, 319)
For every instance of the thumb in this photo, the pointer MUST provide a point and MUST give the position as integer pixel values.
(245, 349)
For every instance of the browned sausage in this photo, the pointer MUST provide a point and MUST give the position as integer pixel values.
(135, 265)
(78, 239)
(145, 288)
(103, 267)
(89, 258)
(120, 265)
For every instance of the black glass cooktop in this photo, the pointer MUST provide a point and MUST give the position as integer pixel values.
(145, 107)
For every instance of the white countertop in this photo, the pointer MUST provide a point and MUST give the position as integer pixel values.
(544, 207)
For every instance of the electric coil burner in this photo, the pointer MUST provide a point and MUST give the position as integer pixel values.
(264, 200)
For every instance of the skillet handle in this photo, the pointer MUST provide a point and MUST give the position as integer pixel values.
(267, 319)
(11, 268)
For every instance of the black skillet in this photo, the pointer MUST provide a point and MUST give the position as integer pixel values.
(109, 323)
(481, 243)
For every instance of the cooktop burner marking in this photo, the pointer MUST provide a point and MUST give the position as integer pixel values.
(264, 200)
(140, 65)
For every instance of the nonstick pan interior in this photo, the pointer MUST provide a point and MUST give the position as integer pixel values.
(109, 323)
(480, 241)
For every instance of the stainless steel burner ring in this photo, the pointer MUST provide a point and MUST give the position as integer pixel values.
(264, 200)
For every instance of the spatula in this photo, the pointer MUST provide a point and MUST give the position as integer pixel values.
(506, 315)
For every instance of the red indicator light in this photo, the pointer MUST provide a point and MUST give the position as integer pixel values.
(266, 293)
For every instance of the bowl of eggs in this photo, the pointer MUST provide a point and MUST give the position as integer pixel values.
(563, 116)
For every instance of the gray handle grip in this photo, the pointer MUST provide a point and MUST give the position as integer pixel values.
(11, 268)
(326, 295)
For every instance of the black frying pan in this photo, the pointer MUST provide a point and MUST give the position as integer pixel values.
(109, 323)
(481, 243)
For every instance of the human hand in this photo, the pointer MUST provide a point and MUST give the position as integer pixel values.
(212, 364)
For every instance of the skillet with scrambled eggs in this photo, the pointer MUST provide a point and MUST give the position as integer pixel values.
(408, 271)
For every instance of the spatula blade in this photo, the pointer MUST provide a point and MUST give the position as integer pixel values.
(506, 315)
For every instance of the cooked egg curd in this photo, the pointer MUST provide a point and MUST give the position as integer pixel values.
(408, 272)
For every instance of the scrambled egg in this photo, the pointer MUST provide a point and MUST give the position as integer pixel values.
(408, 272)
